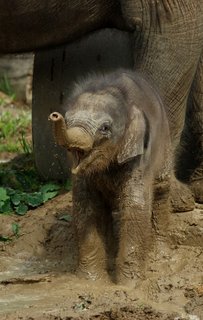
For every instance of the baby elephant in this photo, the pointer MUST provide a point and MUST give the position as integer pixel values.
(116, 129)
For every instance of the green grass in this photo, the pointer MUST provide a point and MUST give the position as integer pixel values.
(5, 86)
(13, 128)
(21, 188)
(15, 123)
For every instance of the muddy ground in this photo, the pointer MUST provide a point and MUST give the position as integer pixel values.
(37, 278)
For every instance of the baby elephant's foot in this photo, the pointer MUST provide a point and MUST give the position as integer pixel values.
(125, 276)
(182, 199)
(92, 272)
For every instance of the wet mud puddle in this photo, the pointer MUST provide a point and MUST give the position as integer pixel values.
(37, 278)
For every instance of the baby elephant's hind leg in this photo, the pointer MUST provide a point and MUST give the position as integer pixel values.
(162, 204)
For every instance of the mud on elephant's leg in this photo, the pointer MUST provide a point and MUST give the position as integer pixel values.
(196, 183)
(135, 234)
(161, 208)
(88, 211)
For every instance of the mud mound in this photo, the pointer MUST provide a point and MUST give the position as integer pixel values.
(128, 312)
(37, 279)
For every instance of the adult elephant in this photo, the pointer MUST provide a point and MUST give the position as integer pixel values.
(168, 42)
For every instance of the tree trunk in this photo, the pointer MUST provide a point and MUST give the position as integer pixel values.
(55, 71)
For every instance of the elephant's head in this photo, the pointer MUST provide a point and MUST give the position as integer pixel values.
(100, 129)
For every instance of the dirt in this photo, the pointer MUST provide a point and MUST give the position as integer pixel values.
(37, 279)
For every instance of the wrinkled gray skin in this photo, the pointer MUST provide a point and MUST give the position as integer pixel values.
(118, 135)
(168, 43)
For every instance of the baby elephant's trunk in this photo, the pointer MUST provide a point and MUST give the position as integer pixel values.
(59, 128)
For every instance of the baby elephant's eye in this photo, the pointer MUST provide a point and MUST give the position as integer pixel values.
(105, 128)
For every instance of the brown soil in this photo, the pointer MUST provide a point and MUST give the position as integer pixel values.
(37, 278)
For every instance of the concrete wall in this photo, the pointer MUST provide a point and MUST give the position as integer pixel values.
(55, 70)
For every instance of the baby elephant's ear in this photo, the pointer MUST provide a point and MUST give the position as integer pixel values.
(132, 143)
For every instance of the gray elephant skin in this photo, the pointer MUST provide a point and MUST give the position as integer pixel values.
(167, 47)
(117, 132)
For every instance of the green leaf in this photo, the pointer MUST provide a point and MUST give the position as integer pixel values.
(66, 217)
(21, 209)
(49, 195)
(5, 207)
(3, 194)
(15, 229)
(80, 306)
(16, 198)
(34, 199)
(10, 191)
(49, 187)
(4, 238)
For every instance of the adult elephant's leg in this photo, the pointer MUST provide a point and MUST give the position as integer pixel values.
(27, 25)
(168, 41)
(196, 179)
(192, 142)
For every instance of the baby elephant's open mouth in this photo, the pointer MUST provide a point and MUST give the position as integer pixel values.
(78, 156)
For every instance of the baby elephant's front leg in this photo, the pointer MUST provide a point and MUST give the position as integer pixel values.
(88, 213)
(135, 231)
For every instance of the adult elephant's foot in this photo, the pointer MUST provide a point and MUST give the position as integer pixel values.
(196, 184)
(182, 199)
(197, 189)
